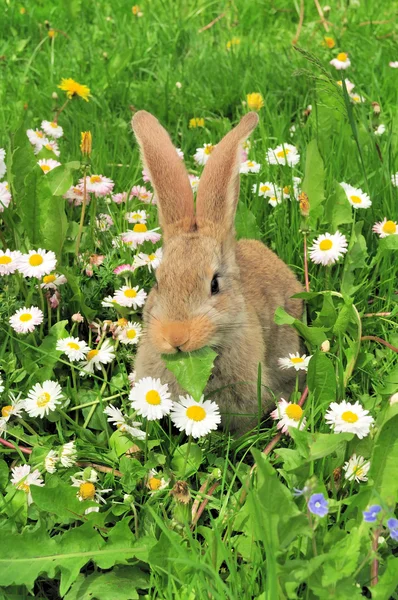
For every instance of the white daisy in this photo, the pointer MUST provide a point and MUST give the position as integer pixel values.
(341, 61)
(98, 185)
(97, 357)
(266, 188)
(150, 398)
(36, 137)
(50, 461)
(48, 164)
(37, 263)
(1, 385)
(357, 98)
(53, 281)
(140, 234)
(288, 415)
(180, 153)
(345, 417)
(195, 418)
(120, 198)
(3, 166)
(356, 468)
(295, 361)
(384, 228)
(292, 192)
(68, 454)
(130, 297)
(249, 166)
(144, 195)
(123, 269)
(26, 319)
(284, 154)
(356, 197)
(5, 196)
(380, 129)
(194, 181)
(328, 248)
(10, 410)
(131, 377)
(22, 479)
(394, 180)
(350, 86)
(130, 334)
(116, 417)
(52, 129)
(393, 64)
(275, 199)
(74, 348)
(154, 482)
(108, 302)
(103, 222)
(9, 261)
(152, 261)
(202, 154)
(137, 216)
(50, 145)
(43, 398)
(75, 195)
(87, 489)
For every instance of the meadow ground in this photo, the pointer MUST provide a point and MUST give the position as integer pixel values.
(98, 502)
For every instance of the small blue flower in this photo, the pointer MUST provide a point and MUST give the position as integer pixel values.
(392, 525)
(370, 515)
(318, 505)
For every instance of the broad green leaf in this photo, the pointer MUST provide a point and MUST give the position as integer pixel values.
(329, 117)
(192, 370)
(388, 582)
(384, 462)
(59, 180)
(345, 315)
(313, 335)
(120, 443)
(389, 243)
(328, 313)
(313, 446)
(183, 466)
(49, 356)
(59, 498)
(321, 379)
(120, 583)
(342, 558)
(337, 208)
(245, 223)
(314, 181)
(355, 259)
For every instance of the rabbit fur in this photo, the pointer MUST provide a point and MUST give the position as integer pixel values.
(182, 313)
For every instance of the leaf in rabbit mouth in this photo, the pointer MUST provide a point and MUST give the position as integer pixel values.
(192, 369)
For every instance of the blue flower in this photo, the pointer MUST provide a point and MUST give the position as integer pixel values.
(318, 505)
(392, 525)
(370, 515)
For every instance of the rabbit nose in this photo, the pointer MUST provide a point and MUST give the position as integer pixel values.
(176, 333)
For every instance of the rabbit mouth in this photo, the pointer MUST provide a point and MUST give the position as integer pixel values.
(181, 336)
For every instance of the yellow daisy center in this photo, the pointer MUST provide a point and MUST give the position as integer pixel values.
(45, 168)
(122, 322)
(77, 191)
(388, 227)
(264, 188)
(297, 360)
(325, 245)
(349, 417)
(49, 278)
(154, 483)
(25, 317)
(283, 153)
(196, 413)
(131, 334)
(91, 354)
(152, 256)
(358, 471)
(87, 490)
(153, 397)
(48, 146)
(73, 346)
(43, 399)
(342, 56)
(95, 179)
(286, 189)
(250, 163)
(136, 216)
(209, 149)
(6, 411)
(5, 260)
(35, 260)
(130, 293)
(54, 125)
(356, 199)
(294, 411)
(23, 486)
(140, 228)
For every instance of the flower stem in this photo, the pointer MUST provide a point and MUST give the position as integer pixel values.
(187, 456)
(79, 235)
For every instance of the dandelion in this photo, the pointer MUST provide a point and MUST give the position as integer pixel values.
(138, 216)
(43, 398)
(74, 348)
(144, 195)
(98, 185)
(5, 196)
(52, 129)
(384, 228)
(103, 222)
(25, 319)
(154, 482)
(329, 42)
(130, 334)
(51, 461)
(345, 417)
(392, 525)
(194, 181)
(318, 505)
(136, 11)
(249, 166)
(53, 281)
(232, 43)
(131, 297)
(22, 478)
(74, 89)
(180, 492)
(295, 361)
(86, 143)
(151, 399)
(350, 86)
(356, 468)
(341, 61)
(140, 234)
(202, 154)
(328, 248)
(152, 261)
(123, 269)
(9, 261)
(3, 167)
(10, 410)
(196, 122)
(116, 417)
(266, 188)
(68, 454)
(356, 197)
(380, 129)
(255, 101)
(97, 357)
(288, 415)
(75, 195)
(195, 418)
(37, 263)
(370, 515)
(284, 154)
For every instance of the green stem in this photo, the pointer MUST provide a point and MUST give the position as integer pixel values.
(27, 426)
(79, 235)
(187, 456)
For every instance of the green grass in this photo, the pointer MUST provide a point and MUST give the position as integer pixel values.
(253, 540)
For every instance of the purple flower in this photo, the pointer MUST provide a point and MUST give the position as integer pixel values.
(370, 515)
(392, 525)
(318, 505)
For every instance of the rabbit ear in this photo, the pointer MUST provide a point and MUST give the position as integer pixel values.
(168, 174)
(218, 189)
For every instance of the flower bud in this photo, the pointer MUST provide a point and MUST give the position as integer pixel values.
(86, 143)
(325, 346)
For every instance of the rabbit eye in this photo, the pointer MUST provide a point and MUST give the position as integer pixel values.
(214, 287)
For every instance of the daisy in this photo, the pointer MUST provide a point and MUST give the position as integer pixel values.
(249, 166)
(130, 297)
(151, 399)
(1, 385)
(108, 302)
(50, 461)
(3, 167)
(10, 410)
(194, 181)
(50, 145)
(384, 228)
(142, 194)
(98, 185)
(180, 153)
(350, 86)
(356, 197)
(122, 269)
(394, 181)
(37, 263)
(284, 154)
(349, 418)
(357, 98)
(72, 88)
(328, 248)
(380, 129)
(52, 129)
(68, 454)
(341, 61)
(26, 319)
(393, 64)
(195, 418)
(154, 482)
(356, 468)
(263, 188)
(116, 417)
(9, 261)
(140, 234)
(145, 176)
(75, 195)
(88, 474)
(36, 137)
(130, 334)
(202, 154)
(96, 358)
(292, 193)
(52, 282)
(295, 361)
(138, 216)
(74, 348)
(22, 478)
(43, 398)
(152, 261)
(275, 199)
(288, 415)
(103, 222)
(48, 164)
(120, 198)
(5, 196)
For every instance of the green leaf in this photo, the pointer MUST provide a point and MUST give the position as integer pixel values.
(3, 474)
(388, 582)
(321, 379)
(313, 335)
(384, 462)
(314, 182)
(313, 446)
(59, 498)
(49, 356)
(337, 208)
(120, 443)
(246, 224)
(120, 583)
(389, 243)
(59, 180)
(183, 467)
(192, 370)
(342, 559)
(78, 297)
(355, 259)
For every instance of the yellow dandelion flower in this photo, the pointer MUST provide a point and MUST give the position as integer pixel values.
(196, 122)
(72, 88)
(255, 101)
(51, 33)
(329, 42)
(234, 42)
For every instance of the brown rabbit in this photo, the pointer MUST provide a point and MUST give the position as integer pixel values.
(212, 290)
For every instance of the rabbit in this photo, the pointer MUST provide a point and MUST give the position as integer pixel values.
(211, 289)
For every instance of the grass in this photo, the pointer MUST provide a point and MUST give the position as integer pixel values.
(252, 539)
